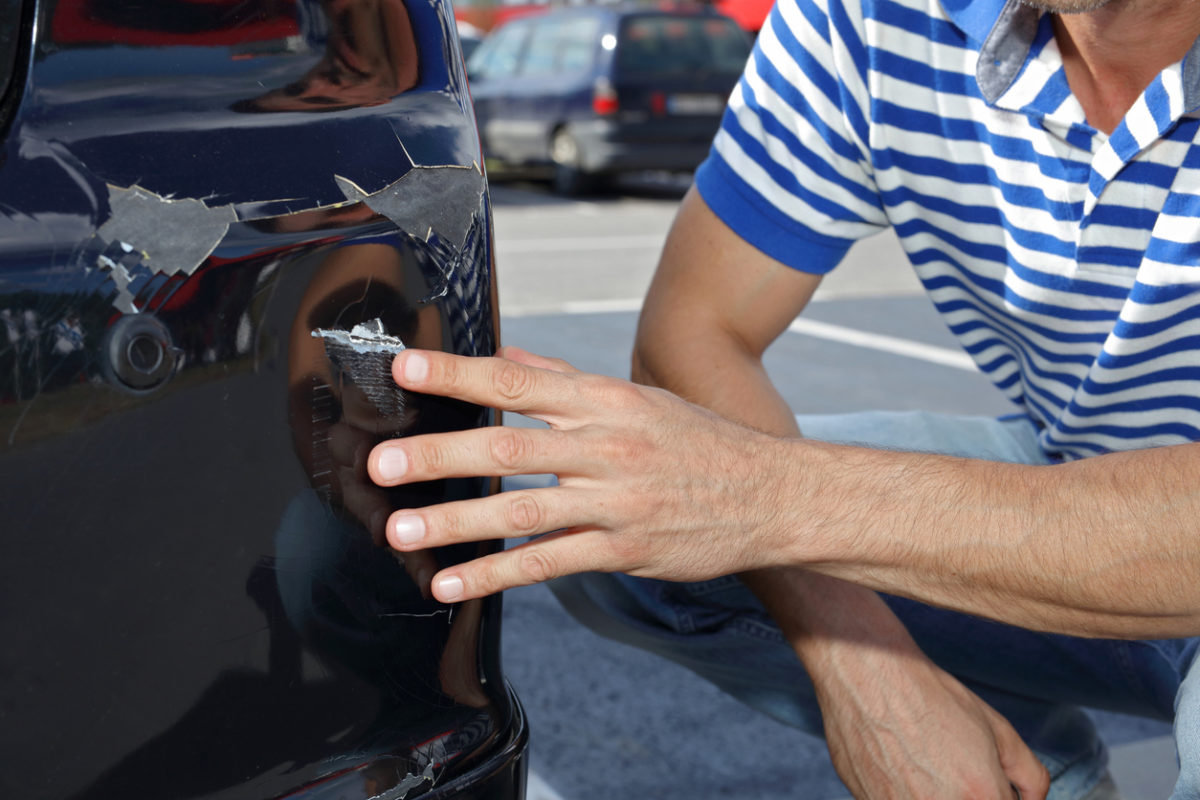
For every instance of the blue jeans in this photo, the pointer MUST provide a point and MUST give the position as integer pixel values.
(1038, 681)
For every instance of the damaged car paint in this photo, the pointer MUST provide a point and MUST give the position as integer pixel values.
(363, 358)
(209, 210)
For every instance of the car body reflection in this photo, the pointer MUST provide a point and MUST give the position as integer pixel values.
(197, 600)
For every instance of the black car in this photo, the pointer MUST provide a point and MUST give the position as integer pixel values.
(219, 220)
(594, 91)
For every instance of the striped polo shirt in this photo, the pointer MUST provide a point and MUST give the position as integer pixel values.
(1066, 261)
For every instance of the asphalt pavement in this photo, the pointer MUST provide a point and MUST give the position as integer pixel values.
(610, 721)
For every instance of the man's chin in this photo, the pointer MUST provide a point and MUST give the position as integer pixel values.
(1066, 6)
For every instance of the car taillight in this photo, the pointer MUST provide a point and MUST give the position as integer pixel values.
(604, 98)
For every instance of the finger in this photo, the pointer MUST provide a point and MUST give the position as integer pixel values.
(491, 451)
(534, 360)
(552, 556)
(1026, 773)
(507, 515)
(495, 382)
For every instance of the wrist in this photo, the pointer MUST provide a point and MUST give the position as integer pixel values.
(828, 622)
(821, 514)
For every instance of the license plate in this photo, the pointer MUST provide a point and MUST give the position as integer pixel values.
(695, 104)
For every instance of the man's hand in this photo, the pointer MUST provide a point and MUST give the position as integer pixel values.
(910, 731)
(648, 484)
(897, 725)
(653, 486)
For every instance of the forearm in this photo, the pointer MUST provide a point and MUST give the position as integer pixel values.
(713, 371)
(824, 618)
(1099, 547)
(703, 342)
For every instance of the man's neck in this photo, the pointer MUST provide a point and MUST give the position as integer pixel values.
(1112, 53)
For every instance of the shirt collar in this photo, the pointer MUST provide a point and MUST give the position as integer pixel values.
(975, 18)
(1191, 79)
(1004, 31)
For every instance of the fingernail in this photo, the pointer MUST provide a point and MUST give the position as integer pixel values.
(392, 464)
(416, 368)
(408, 529)
(449, 588)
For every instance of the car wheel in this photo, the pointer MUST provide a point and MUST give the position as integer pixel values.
(570, 178)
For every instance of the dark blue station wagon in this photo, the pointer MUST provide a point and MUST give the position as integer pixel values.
(597, 91)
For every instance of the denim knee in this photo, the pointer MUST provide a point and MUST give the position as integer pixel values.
(1187, 735)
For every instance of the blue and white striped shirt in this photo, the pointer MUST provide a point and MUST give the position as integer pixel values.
(1067, 262)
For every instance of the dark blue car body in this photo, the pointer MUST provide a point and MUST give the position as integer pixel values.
(195, 596)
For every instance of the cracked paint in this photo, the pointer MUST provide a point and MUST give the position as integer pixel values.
(409, 782)
(414, 615)
(364, 355)
(426, 198)
(165, 236)
(148, 234)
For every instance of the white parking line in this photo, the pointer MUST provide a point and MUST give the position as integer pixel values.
(945, 356)
(600, 306)
(888, 344)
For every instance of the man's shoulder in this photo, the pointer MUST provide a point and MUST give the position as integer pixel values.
(975, 19)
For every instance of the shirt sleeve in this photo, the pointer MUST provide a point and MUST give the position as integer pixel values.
(790, 169)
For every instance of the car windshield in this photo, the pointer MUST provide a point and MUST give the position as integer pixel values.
(670, 45)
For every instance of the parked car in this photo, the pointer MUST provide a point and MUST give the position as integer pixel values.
(595, 91)
(219, 219)
(469, 38)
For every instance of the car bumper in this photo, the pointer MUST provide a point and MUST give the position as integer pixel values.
(502, 775)
(609, 146)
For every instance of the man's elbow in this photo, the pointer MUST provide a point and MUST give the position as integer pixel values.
(657, 329)
(642, 360)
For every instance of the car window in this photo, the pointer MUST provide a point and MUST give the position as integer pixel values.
(561, 46)
(577, 44)
(542, 54)
(666, 45)
(500, 54)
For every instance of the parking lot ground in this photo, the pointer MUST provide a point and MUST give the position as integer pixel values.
(611, 721)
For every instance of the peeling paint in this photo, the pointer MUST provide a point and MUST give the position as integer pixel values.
(408, 783)
(364, 355)
(366, 337)
(426, 198)
(166, 237)
(148, 234)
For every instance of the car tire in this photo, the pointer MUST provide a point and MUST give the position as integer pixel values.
(570, 179)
